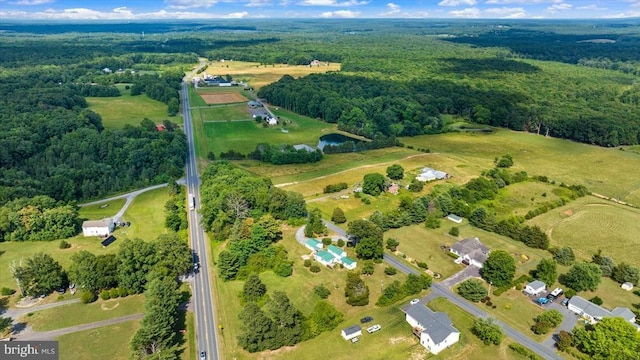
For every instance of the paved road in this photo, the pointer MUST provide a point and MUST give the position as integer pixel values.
(203, 306)
(17, 312)
(29, 334)
(129, 196)
(439, 290)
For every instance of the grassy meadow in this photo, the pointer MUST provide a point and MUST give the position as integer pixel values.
(257, 75)
(230, 112)
(126, 109)
(589, 223)
(146, 214)
(99, 343)
(101, 211)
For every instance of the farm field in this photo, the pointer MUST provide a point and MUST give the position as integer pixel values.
(589, 223)
(58, 318)
(223, 98)
(606, 171)
(257, 75)
(99, 343)
(126, 109)
(230, 112)
(100, 211)
(469, 346)
(299, 287)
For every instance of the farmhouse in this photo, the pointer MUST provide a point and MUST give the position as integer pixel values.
(325, 258)
(351, 332)
(435, 330)
(429, 174)
(313, 245)
(455, 218)
(102, 227)
(348, 263)
(470, 251)
(534, 288)
(336, 251)
(594, 313)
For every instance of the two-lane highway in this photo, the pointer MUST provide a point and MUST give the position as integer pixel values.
(205, 319)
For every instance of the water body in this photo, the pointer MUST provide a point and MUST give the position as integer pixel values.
(335, 139)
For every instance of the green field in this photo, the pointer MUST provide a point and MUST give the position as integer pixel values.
(79, 313)
(243, 136)
(602, 170)
(146, 214)
(589, 224)
(126, 109)
(101, 211)
(99, 343)
(469, 346)
(230, 112)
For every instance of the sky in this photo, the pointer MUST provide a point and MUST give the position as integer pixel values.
(274, 9)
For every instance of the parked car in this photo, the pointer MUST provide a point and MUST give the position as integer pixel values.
(366, 319)
(414, 301)
(203, 355)
(542, 301)
(373, 328)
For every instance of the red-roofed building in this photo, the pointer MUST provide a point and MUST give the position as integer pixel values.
(161, 127)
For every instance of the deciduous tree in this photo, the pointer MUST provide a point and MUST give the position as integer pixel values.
(582, 276)
(499, 268)
(488, 331)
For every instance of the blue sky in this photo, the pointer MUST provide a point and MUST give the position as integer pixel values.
(235, 9)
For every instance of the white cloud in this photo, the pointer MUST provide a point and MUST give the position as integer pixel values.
(31, 2)
(259, 3)
(592, 7)
(456, 2)
(506, 13)
(392, 9)
(190, 4)
(522, 1)
(237, 15)
(119, 13)
(628, 14)
(345, 14)
(332, 3)
(559, 7)
(471, 13)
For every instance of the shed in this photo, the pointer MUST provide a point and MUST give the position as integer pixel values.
(455, 218)
(534, 288)
(627, 286)
(348, 263)
(351, 332)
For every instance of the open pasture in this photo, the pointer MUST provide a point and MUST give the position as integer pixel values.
(607, 171)
(223, 98)
(126, 109)
(101, 211)
(257, 75)
(231, 112)
(99, 343)
(589, 223)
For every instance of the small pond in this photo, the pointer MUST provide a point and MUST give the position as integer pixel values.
(335, 139)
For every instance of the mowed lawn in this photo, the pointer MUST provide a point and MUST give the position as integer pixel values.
(469, 346)
(229, 112)
(101, 211)
(589, 223)
(394, 341)
(257, 75)
(146, 214)
(79, 313)
(607, 171)
(109, 342)
(126, 109)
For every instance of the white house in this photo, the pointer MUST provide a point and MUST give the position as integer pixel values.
(313, 245)
(336, 251)
(434, 329)
(102, 227)
(594, 313)
(535, 288)
(348, 263)
(429, 174)
(470, 251)
(351, 332)
(324, 257)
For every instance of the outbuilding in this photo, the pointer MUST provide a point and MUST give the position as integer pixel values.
(313, 245)
(102, 227)
(627, 286)
(535, 288)
(351, 332)
(348, 263)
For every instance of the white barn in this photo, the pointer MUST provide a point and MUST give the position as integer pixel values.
(102, 227)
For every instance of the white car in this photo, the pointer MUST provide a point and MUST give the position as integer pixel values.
(414, 301)
(373, 328)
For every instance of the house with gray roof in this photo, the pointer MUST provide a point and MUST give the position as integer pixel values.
(351, 332)
(535, 288)
(594, 313)
(429, 174)
(470, 251)
(435, 329)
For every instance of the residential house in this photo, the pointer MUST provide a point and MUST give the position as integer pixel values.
(470, 251)
(313, 244)
(455, 218)
(102, 227)
(336, 251)
(535, 288)
(348, 263)
(325, 258)
(429, 174)
(435, 329)
(594, 313)
(351, 332)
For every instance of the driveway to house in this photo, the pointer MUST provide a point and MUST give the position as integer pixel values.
(17, 312)
(439, 290)
(129, 196)
(29, 334)
(569, 321)
(462, 275)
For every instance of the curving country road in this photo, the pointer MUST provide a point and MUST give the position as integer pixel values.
(203, 306)
(546, 350)
(129, 196)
